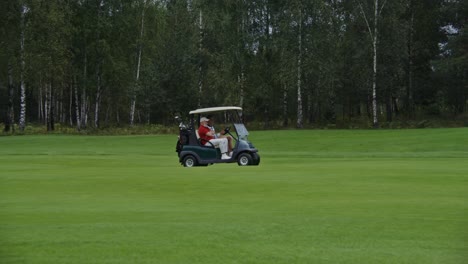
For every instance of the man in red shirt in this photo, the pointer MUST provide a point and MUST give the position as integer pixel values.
(207, 137)
(222, 134)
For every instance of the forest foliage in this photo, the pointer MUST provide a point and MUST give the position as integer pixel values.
(104, 63)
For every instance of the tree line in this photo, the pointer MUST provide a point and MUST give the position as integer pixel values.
(94, 63)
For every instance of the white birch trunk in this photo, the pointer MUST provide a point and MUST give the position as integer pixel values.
(86, 113)
(22, 118)
(374, 37)
(137, 78)
(98, 70)
(300, 118)
(132, 108)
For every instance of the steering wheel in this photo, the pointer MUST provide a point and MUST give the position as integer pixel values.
(227, 129)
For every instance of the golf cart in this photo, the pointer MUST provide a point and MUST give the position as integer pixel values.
(192, 152)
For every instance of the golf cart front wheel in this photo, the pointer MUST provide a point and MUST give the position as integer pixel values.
(189, 161)
(255, 159)
(244, 159)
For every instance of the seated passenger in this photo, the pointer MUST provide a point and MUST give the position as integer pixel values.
(222, 134)
(207, 136)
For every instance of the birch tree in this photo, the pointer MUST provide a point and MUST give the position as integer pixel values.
(22, 118)
(374, 36)
(83, 21)
(100, 58)
(137, 75)
(77, 103)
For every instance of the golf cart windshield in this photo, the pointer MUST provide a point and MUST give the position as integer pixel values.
(241, 131)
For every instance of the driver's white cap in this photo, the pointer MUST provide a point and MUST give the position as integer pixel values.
(204, 119)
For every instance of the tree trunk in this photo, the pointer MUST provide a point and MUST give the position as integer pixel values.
(200, 62)
(389, 109)
(84, 99)
(51, 110)
(285, 104)
(98, 68)
(374, 74)
(299, 123)
(84, 119)
(77, 108)
(240, 81)
(409, 87)
(98, 101)
(132, 107)
(240, 54)
(22, 118)
(9, 114)
(40, 107)
(70, 110)
(140, 47)
(61, 107)
(374, 36)
(308, 113)
(46, 104)
(395, 105)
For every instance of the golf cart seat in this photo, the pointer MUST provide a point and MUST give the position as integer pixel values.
(201, 144)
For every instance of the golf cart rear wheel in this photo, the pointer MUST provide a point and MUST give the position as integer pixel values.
(244, 159)
(189, 161)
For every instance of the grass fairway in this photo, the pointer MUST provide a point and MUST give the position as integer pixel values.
(354, 196)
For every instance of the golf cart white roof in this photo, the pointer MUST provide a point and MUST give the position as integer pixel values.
(214, 109)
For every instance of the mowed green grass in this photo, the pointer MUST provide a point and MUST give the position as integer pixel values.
(318, 196)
